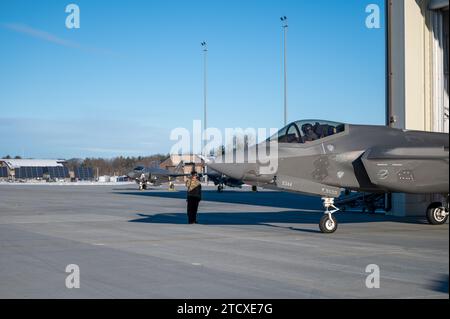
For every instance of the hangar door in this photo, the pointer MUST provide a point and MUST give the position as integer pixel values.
(439, 12)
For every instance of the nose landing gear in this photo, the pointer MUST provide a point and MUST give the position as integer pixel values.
(142, 186)
(327, 223)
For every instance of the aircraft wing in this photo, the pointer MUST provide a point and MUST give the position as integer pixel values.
(178, 175)
(165, 173)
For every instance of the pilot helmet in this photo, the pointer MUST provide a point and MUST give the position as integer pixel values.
(306, 128)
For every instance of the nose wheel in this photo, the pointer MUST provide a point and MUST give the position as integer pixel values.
(328, 224)
(142, 186)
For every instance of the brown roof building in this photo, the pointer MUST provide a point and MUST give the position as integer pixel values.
(190, 162)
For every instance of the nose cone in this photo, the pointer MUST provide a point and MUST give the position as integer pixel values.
(131, 174)
(234, 167)
(233, 170)
(244, 170)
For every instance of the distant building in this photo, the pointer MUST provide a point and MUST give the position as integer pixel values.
(83, 174)
(33, 169)
(41, 169)
(190, 162)
(4, 171)
(16, 163)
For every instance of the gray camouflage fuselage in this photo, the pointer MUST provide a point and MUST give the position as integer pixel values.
(152, 175)
(365, 158)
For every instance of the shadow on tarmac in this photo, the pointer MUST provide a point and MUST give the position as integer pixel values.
(265, 198)
(440, 284)
(304, 205)
(307, 210)
(269, 218)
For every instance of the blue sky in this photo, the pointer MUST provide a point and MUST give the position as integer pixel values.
(133, 71)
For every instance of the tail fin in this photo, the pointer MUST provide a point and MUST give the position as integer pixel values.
(206, 159)
(179, 167)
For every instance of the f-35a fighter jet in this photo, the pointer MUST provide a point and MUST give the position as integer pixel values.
(221, 180)
(322, 158)
(145, 176)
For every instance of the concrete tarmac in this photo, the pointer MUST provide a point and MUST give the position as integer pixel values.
(136, 244)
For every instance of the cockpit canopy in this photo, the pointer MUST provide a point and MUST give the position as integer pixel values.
(138, 168)
(305, 131)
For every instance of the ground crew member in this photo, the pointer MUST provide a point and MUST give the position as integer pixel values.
(194, 196)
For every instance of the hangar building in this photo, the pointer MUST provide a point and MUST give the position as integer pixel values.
(38, 169)
(417, 76)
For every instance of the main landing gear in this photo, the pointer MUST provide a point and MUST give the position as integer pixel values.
(437, 213)
(328, 224)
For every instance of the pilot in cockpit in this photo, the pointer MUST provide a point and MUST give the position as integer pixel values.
(309, 134)
(324, 130)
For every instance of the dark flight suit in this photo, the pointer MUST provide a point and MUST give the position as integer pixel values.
(194, 196)
(309, 133)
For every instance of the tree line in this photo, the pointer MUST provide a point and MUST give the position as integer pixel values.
(112, 166)
(117, 166)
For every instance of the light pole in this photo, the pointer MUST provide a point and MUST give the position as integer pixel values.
(205, 124)
(205, 56)
(284, 26)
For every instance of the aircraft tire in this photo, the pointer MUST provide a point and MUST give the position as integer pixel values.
(326, 225)
(434, 215)
(220, 188)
